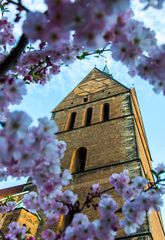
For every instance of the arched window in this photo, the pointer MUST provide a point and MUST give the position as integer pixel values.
(88, 117)
(78, 160)
(71, 121)
(105, 114)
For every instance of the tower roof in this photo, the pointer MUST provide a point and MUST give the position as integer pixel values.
(95, 83)
(11, 191)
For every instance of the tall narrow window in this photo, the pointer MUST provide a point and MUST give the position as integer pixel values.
(88, 117)
(78, 160)
(71, 121)
(105, 116)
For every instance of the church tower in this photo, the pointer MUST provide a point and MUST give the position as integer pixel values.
(101, 123)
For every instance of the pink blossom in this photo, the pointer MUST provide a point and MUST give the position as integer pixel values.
(129, 226)
(18, 123)
(71, 233)
(119, 181)
(14, 231)
(48, 126)
(30, 200)
(12, 91)
(80, 220)
(66, 177)
(69, 197)
(107, 205)
(6, 32)
(55, 37)
(139, 35)
(34, 25)
(139, 182)
(126, 52)
(96, 188)
(48, 235)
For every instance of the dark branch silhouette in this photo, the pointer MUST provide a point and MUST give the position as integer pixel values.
(12, 58)
(19, 4)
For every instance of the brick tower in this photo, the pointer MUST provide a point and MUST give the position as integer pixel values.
(101, 123)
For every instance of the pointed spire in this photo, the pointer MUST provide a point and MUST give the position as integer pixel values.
(105, 69)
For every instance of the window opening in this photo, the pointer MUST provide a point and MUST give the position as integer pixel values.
(86, 99)
(106, 112)
(71, 121)
(88, 117)
(79, 160)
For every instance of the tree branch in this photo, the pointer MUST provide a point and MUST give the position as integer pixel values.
(19, 4)
(12, 58)
(89, 199)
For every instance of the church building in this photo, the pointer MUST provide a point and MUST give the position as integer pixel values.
(101, 123)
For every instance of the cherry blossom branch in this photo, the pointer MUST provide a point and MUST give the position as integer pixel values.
(89, 199)
(36, 66)
(19, 4)
(86, 54)
(154, 184)
(42, 69)
(12, 58)
(32, 70)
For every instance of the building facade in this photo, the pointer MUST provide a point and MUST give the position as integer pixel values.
(101, 123)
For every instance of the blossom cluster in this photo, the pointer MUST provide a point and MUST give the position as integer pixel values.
(16, 232)
(8, 206)
(11, 92)
(65, 32)
(53, 204)
(6, 32)
(136, 46)
(138, 199)
(24, 149)
(71, 28)
(34, 152)
(137, 202)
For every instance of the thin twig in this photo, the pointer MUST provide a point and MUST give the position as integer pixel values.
(19, 4)
(88, 200)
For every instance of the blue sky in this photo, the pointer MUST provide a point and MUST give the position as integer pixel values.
(41, 100)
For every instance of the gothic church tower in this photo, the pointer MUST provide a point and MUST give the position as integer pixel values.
(101, 123)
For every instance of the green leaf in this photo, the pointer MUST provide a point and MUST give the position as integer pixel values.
(80, 57)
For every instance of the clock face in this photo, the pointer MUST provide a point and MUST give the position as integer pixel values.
(91, 86)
